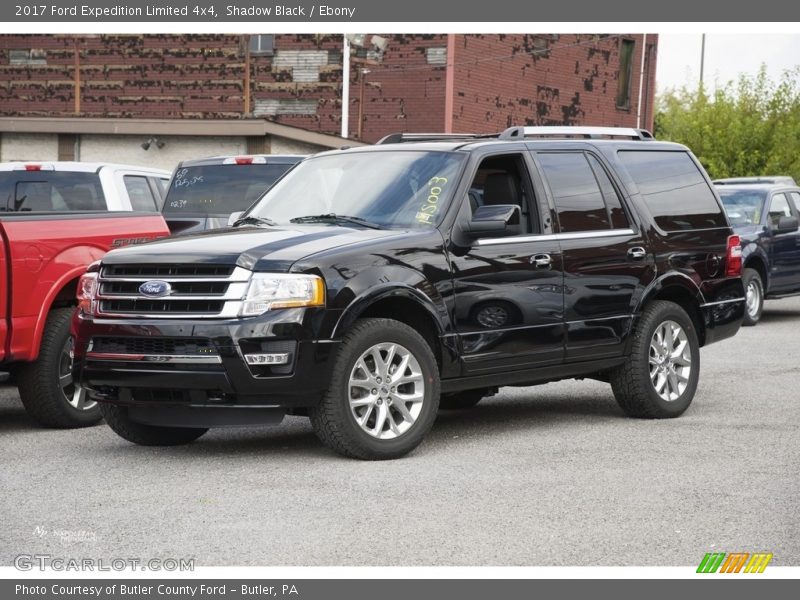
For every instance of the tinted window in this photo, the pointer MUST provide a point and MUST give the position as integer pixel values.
(220, 189)
(744, 207)
(503, 180)
(619, 220)
(140, 193)
(576, 193)
(674, 190)
(57, 191)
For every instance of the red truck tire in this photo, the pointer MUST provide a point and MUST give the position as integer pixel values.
(45, 385)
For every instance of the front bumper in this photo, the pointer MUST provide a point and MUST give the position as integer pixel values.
(219, 377)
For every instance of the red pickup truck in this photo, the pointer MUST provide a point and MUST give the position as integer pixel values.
(42, 256)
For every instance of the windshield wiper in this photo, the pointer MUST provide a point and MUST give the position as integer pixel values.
(334, 218)
(254, 221)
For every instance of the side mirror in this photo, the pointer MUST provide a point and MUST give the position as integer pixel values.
(234, 217)
(498, 219)
(786, 225)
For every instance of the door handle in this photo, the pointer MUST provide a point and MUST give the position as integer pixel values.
(541, 261)
(637, 253)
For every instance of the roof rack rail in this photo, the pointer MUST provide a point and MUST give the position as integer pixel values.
(397, 138)
(517, 133)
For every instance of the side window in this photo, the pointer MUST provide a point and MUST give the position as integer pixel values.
(504, 180)
(140, 193)
(779, 207)
(33, 196)
(576, 193)
(796, 201)
(619, 220)
(674, 190)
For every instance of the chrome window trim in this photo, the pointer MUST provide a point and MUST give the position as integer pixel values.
(556, 237)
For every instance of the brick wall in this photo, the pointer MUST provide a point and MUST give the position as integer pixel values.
(498, 80)
(543, 80)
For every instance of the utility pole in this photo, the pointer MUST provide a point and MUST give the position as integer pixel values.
(702, 57)
(345, 86)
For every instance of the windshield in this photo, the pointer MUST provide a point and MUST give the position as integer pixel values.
(220, 189)
(744, 207)
(394, 190)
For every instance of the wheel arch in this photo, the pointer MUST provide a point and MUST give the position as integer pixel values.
(402, 303)
(681, 290)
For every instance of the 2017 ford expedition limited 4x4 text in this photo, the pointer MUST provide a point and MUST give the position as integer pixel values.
(372, 285)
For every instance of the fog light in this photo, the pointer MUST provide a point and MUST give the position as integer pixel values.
(267, 359)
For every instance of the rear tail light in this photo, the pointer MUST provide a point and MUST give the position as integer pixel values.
(244, 160)
(87, 292)
(33, 167)
(733, 257)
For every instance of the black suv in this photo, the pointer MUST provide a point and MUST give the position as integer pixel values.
(371, 286)
(765, 216)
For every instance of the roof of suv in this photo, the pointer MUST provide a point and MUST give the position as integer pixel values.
(448, 142)
(765, 179)
(760, 187)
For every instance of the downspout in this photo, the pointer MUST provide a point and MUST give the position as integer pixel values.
(641, 84)
(449, 83)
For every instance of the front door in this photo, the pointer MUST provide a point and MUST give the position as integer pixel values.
(783, 247)
(508, 290)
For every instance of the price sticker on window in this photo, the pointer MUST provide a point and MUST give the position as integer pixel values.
(427, 212)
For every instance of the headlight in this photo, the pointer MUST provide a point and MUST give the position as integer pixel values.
(87, 291)
(268, 291)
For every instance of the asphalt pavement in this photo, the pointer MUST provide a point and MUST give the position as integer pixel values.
(547, 475)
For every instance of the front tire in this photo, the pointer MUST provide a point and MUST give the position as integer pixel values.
(659, 379)
(384, 392)
(45, 385)
(754, 297)
(146, 435)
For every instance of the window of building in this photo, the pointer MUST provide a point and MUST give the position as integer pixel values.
(262, 44)
(625, 73)
(576, 192)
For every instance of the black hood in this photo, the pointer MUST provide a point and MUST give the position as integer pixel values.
(254, 248)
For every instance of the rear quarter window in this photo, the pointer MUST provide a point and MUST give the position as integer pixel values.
(674, 190)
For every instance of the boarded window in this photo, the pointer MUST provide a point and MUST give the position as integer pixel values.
(625, 73)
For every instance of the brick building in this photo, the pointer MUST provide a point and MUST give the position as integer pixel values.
(102, 97)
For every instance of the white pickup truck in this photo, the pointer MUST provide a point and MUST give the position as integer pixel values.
(41, 186)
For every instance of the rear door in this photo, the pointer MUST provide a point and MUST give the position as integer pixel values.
(606, 262)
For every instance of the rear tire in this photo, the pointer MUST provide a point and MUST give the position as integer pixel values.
(146, 435)
(754, 297)
(363, 415)
(659, 379)
(45, 385)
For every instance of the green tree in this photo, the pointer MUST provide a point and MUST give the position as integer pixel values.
(747, 128)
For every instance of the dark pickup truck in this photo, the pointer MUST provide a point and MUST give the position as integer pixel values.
(372, 285)
(765, 216)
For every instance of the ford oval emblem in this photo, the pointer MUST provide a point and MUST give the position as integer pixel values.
(155, 289)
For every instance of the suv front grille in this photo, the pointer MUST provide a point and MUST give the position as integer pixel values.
(153, 345)
(163, 271)
(206, 291)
